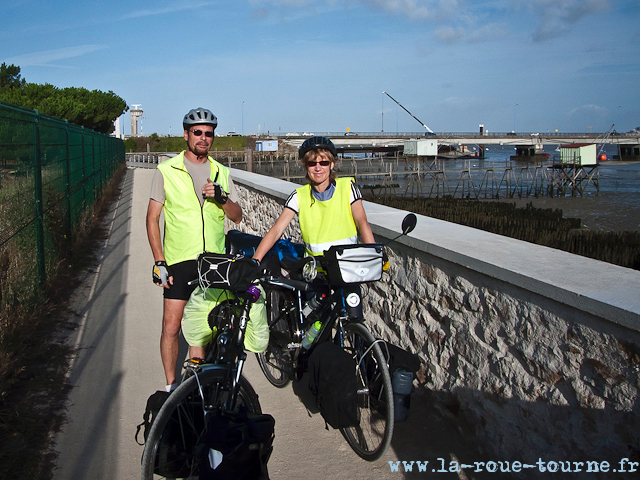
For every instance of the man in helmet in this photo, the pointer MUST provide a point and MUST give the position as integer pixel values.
(330, 209)
(196, 193)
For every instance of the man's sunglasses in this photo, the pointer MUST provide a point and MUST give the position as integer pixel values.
(198, 133)
(323, 163)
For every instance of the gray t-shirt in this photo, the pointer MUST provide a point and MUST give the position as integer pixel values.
(200, 173)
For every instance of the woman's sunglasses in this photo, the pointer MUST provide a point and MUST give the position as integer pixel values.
(323, 163)
(198, 133)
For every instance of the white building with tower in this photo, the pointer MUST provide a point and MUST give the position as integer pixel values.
(136, 112)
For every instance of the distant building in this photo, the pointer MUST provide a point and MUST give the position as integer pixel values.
(578, 153)
(136, 112)
(421, 147)
(267, 146)
(628, 152)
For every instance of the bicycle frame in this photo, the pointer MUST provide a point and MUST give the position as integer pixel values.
(227, 353)
(332, 314)
(286, 359)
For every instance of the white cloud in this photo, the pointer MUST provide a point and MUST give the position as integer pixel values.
(588, 111)
(454, 35)
(412, 9)
(46, 57)
(490, 31)
(554, 17)
(165, 10)
(286, 3)
(449, 35)
(558, 15)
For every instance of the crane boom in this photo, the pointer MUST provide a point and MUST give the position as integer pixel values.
(605, 136)
(421, 123)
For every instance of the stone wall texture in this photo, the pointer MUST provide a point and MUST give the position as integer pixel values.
(527, 376)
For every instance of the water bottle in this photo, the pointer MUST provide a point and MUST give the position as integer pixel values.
(402, 384)
(310, 334)
(313, 304)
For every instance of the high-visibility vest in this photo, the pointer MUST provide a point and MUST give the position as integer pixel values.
(190, 229)
(327, 223)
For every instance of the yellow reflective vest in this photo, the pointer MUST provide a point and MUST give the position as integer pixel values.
(327, 223)
(190, 229)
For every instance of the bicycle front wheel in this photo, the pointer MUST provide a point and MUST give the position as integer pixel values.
(171, 449)
(371, 438)
(275, 362)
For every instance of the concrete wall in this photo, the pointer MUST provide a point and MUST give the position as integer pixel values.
(533, 351)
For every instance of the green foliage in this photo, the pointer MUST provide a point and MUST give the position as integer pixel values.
(177, 144)
(94, 109)
(130, 145)
(10, 77)
(535, 225)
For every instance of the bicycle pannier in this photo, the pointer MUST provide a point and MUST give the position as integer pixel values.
(237, 446)
(170, 457)
(332, 379)
(154, 404)
(231, 272)
(354, 263)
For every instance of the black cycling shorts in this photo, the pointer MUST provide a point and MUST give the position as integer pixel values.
(183, 273)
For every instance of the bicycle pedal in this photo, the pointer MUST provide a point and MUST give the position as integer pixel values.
(194, 362)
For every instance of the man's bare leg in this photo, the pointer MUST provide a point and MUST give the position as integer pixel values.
(170, 338)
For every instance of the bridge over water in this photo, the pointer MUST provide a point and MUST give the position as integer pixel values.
(461, 138)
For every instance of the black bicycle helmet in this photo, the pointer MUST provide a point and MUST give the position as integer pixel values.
(316, 143)
(199, 116)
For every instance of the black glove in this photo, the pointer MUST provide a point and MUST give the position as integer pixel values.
(161, 273)
(220, 195)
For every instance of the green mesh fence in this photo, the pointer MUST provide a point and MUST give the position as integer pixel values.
(51, 172)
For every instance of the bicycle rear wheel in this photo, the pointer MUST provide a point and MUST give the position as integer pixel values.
(171, 449)
(371, 438)
(275, 362)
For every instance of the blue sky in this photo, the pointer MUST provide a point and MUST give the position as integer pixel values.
(322, 65)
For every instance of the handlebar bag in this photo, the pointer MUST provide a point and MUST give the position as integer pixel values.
(354, 263)
(230, 272)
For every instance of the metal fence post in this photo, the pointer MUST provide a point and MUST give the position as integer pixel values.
(67, 180)
(84, 172)
(40, 257)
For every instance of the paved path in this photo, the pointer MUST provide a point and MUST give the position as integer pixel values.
(118, 366)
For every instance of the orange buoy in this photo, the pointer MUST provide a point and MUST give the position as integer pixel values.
(602, 157)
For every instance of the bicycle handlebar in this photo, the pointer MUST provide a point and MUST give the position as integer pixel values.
(287, 283)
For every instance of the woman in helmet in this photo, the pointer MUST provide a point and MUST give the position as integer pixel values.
(330, 209)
